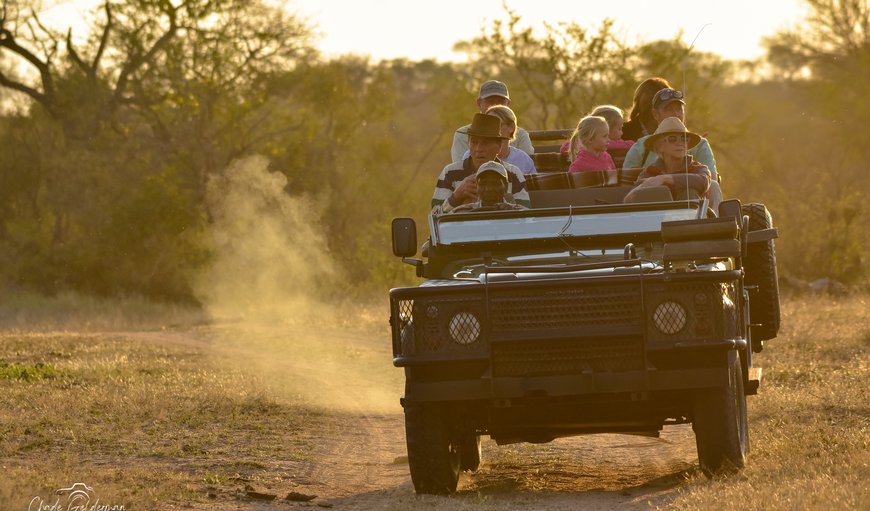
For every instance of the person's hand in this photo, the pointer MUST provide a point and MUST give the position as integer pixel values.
(466, 191)
(661, 180)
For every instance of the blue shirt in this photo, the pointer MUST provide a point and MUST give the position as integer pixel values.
(517, 158)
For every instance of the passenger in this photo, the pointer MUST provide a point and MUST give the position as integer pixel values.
(616, 120)
(674, 167)
(457, 184)
(591, 136)
(614, 117)
(669, 103)
(508, 153)
(640, 121)
(492, 183)
(491, 93)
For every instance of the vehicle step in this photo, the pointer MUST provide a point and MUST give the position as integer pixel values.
(754, 381)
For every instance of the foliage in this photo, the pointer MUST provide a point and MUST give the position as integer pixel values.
(105, 161)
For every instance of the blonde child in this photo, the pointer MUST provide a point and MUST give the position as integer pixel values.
(615, 119)
(589, 143)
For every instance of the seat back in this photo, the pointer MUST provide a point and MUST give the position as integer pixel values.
(551, 161)
(588, 179)
(550, 181)
(549, 141)
(618, 156)
(578, 196)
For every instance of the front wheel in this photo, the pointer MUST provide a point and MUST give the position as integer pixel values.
(469, 450)
(433, 452)
(721, 425)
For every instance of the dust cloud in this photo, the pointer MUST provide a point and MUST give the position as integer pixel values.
(274, 295)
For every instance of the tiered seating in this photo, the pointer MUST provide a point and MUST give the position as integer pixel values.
(556, 189)
(548, 157)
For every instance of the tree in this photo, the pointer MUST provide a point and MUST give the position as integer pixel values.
(556, 76)
(126, 127)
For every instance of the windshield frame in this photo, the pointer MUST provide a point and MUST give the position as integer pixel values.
(569, 213)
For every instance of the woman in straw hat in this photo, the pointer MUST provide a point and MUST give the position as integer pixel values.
(674, 167)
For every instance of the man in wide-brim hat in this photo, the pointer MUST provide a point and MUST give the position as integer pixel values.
(457, 184)
(674, 167)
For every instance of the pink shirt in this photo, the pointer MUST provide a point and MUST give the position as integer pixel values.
(586, 161)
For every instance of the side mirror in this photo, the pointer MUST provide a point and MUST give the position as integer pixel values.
(404, 237)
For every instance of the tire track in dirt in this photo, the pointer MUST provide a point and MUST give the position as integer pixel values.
(354, 463)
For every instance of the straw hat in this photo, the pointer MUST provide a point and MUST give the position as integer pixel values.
(671, 126)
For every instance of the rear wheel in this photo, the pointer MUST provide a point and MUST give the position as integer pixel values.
(760, 267)
(433, 452)
(720, 423)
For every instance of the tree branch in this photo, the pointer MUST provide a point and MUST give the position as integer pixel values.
(7, 40)
(137, 61)
(104, 38)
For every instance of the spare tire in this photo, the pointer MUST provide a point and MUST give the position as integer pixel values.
(760, 267)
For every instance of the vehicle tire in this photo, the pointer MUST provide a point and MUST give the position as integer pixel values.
(720, 423)
(433, 452)
(760, 267)
(469, 452)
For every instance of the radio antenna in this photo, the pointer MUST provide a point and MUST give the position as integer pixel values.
(685, 65)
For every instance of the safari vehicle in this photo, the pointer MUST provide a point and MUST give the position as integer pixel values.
(569, 320)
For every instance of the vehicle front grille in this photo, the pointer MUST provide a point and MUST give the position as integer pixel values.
(567, 356)
(568, 307)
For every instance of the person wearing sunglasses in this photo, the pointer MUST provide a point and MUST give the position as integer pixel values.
(674, 166)
(669, 103)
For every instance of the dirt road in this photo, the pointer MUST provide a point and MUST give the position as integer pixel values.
(358, 458)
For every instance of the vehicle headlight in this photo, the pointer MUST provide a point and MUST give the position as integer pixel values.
(670, 317)
(464, 328)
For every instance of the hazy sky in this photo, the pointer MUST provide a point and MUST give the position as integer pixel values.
(415, 29)
(428, 29)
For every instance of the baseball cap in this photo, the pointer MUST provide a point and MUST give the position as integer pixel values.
(493, 88)
(492, 166)
(665, 96)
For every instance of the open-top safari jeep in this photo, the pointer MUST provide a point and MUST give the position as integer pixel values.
(569, 320)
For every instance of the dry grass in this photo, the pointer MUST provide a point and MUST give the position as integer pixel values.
(144, 422)
(810, 424)
(29, 311)
(170, 425)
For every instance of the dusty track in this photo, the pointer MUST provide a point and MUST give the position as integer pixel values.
(359, 460)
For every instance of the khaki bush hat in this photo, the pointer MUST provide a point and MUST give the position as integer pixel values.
(672, 126)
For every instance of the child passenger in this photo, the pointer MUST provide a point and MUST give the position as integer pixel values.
(589, 143)
(615, 119)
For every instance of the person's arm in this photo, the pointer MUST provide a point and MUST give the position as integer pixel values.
(460, 145)
(524, 142)
(443, 191)
(518, 190)
(703, 154)
(697, 182)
